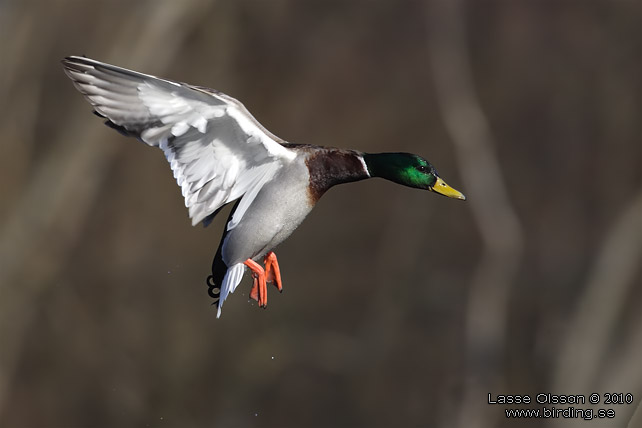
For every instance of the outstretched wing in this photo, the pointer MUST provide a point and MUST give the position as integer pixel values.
(216, 149)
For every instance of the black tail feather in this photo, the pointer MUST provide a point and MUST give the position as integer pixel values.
(214, 281)
(219, 268)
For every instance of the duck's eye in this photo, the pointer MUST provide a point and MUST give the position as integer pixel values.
(421, 168)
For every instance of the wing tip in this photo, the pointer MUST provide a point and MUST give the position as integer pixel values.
(73, 62)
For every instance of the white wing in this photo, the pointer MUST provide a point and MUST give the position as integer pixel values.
(217, 150)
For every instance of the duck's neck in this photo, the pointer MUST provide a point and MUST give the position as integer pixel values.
(384, 165)
(332, 167)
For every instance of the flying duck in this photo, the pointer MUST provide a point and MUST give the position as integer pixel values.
(220, 153)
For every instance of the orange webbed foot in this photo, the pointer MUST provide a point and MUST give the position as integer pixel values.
(259, 289)
(261, 276)
(272, 271)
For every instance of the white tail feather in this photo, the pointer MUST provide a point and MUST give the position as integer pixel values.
(233, 277)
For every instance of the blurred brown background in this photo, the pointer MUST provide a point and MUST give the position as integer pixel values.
(401, 308)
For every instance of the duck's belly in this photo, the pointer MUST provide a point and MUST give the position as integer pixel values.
(278, 209)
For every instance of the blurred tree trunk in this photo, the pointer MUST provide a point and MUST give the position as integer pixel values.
(41, 226)
(497, 221)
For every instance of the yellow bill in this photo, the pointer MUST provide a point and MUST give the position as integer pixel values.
(443, 189)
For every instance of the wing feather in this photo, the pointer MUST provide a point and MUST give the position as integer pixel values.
(217, 151)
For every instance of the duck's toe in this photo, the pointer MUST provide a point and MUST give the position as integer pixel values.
(259, 289)
(272, 271)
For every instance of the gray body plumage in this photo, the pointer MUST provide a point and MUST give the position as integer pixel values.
(277, 210)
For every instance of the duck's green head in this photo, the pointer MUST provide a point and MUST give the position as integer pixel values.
(409, 170)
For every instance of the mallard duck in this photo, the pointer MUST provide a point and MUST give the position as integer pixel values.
(220, 154)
